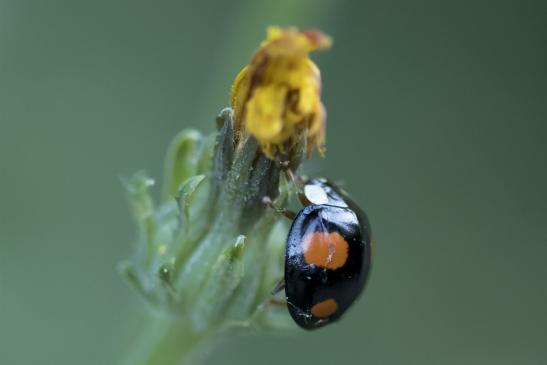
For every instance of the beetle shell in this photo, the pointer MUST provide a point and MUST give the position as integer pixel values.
(327, 259)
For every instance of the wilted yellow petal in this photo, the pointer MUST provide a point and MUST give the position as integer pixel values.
(277, 97)
(264, 112)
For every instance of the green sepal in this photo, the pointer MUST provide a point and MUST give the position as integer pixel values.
(223, 279)
(224, 146)
(194, 210)
(185, 197)
(130, 273)
(180, 161)
(142, 208)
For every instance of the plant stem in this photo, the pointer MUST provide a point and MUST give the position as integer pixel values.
(168, 341)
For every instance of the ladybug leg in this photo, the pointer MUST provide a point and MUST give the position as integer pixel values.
(279, 286)
(298, 183)
(277, 303)
(287, 213)
(296, 180)
(284, 164)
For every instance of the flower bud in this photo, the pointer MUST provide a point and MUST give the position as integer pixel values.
(277, 97)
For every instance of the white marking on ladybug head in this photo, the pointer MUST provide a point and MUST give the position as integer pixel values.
(315, 194)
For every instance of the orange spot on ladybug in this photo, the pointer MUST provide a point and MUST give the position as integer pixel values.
(325, 249)
(325, 308)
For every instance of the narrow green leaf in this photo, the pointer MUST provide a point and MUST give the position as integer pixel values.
(184, 198)
(180, 161)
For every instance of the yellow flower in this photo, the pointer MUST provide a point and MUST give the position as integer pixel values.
(277, 97)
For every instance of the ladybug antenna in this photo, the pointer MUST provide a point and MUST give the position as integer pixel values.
(287, 213)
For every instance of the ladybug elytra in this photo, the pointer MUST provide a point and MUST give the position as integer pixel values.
(328, 255)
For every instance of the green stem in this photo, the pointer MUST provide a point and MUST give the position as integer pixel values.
(168, 341)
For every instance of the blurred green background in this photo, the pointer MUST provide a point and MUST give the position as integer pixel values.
(437, 113)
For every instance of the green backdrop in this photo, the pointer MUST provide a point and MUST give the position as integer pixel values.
(437, 113)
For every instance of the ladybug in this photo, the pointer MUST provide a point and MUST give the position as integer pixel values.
(327, 257)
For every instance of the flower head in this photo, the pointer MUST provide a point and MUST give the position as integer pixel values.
(208, 254)
(277, 97)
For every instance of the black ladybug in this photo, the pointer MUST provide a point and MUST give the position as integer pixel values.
(327, 257)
